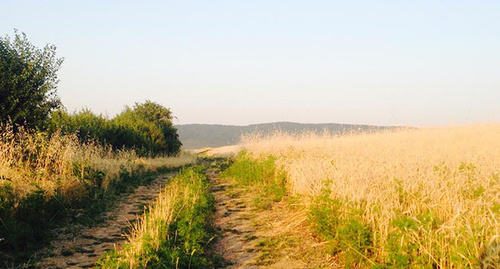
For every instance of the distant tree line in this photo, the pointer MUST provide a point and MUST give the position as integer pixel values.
(28, 97)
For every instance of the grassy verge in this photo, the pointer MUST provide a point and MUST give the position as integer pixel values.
(258, 175)
(49, 181)
(175, 230)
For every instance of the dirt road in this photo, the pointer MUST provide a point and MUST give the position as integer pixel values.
(273, 238)
(81, 249)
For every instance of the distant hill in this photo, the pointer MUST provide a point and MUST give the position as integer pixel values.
(195, 136)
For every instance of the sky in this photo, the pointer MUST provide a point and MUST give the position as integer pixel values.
(416, 63)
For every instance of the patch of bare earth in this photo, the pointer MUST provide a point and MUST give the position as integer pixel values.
(220, 152)
(81, 249)
(278, 237)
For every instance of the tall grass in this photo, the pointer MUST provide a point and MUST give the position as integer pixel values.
(174, 231)
(408, 198)
(43, 177)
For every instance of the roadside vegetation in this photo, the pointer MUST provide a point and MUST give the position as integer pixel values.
(409, 198)
(58, 168)
(47, 179)
(175, 230)
(426, 198)
(260, 176)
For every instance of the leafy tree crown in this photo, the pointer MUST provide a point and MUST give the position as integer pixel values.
(28, 81)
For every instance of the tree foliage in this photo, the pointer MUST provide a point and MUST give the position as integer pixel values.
(154, 122)
(28, 80)
(147, 127)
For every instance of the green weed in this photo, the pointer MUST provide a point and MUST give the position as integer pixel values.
(270, 250)
(262, 175)
(343, 228)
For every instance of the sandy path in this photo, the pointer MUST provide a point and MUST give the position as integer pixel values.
(274, 238)
(83, 249)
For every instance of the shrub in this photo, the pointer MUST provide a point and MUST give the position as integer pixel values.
(147, 128)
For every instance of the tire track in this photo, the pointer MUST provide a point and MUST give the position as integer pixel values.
(83, 249)
(275, 238)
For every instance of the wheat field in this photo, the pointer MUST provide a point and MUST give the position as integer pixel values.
(443, 184)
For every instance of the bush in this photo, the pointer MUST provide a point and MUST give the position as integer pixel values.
(146, 128)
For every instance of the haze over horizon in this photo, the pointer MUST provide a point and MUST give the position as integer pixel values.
(240, 62)
(267, 123)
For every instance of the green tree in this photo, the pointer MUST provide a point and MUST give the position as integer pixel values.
(162, 118)
(147, 128)
(28, 81)
(154, 123)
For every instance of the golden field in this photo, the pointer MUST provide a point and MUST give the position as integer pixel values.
(437, 190)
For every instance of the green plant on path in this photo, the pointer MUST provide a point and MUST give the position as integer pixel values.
(175, 230)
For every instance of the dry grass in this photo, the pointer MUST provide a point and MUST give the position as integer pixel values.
(152, 228)
(154, 164)
(452, 173)
(31, 161)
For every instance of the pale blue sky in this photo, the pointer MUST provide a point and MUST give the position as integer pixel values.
(238, 62)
